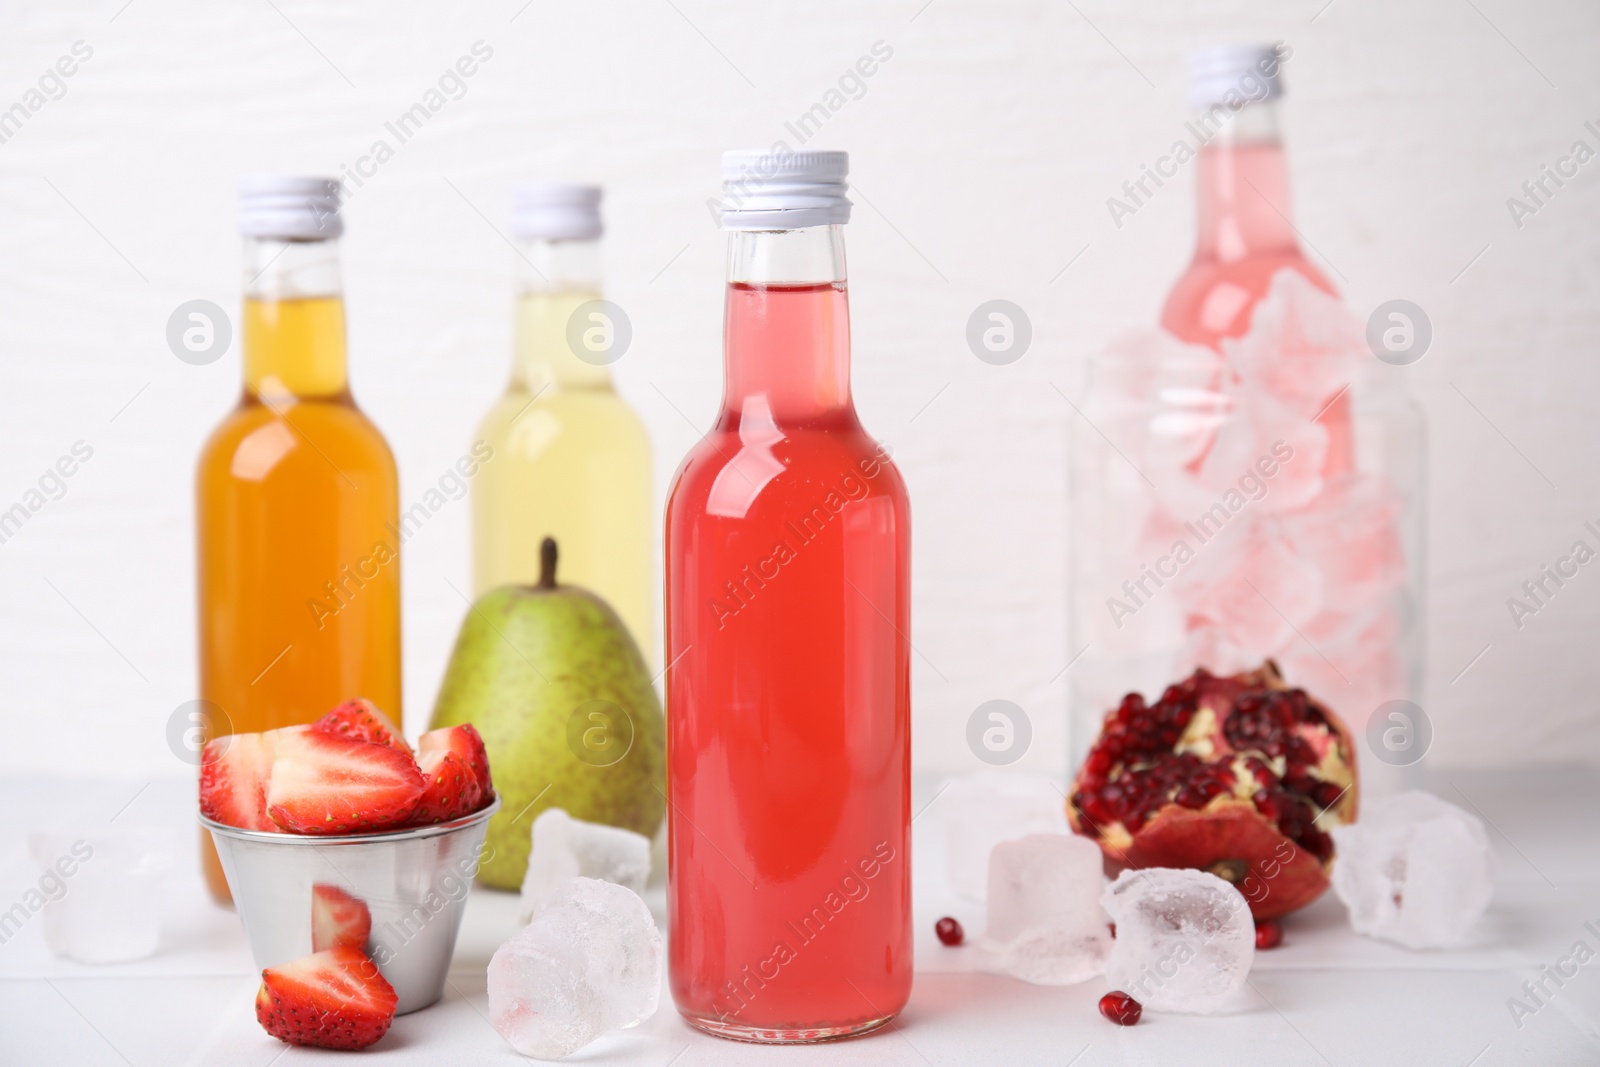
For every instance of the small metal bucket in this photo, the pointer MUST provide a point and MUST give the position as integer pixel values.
(414, 884)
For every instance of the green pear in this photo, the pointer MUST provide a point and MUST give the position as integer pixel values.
(551, 678)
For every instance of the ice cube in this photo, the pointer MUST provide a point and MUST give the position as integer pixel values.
(587, 964)
(1146, 370)
(1351, 531)
(100, 891)
(1185, 939)
(1166, 394)
(1353, 661)
(1263, 435)
(1257, 598)
(1185, 421)
(1303, 345)
(1414, 869)
(981, 810)
(564, 848)
(1046, 924)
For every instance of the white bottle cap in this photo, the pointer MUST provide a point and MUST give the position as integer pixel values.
(779, 189)
(1234, 74)
(553, 211)
(290, 208)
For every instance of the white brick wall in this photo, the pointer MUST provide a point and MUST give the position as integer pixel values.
(984, 150)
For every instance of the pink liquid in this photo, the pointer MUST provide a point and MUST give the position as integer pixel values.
(788, 702)
(1245, 237)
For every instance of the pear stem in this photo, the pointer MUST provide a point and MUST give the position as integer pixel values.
(547, 563)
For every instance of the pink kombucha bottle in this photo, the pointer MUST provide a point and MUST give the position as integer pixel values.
(787, 615)
(1245, 233)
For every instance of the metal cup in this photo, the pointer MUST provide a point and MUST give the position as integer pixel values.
(413, 883)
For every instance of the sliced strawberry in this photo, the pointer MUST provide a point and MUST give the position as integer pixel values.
(465, 743)
(338, 920)
(323, 784)
(234, 771)
(361, 719)
(452, 788)
(331, 999)
(233, 780)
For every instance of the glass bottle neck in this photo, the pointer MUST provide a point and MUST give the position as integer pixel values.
(1242, 184)
(786, 340)
(294, 334)
(554, 280)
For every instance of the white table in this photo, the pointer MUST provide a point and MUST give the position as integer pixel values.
(1327, 996)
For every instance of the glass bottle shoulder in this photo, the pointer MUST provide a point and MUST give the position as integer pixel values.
(527, 424)
(257, 441)
(1214, 298)
(736, 473)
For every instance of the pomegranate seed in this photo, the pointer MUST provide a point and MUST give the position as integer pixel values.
(1268, 935)
(950, 932)
(1120, 1008)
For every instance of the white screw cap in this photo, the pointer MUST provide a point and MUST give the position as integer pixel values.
(780, 189)
(555, 211)
(1232, 74)
(290, 207)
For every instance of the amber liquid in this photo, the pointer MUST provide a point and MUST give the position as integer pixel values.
(297, 504)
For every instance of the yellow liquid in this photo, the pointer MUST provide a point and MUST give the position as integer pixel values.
(299, 575)
(572, 462)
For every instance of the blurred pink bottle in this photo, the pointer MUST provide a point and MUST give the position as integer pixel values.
(1245, 229)
(1263, 496)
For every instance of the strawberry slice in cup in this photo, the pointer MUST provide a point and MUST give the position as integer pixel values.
(326, 784)
(234, 772)
(361, 720)
(466, 745)
(233, 781)
(452, 789)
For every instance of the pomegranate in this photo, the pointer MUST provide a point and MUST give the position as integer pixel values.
(949, 931)
(1240, 776)
(1120, 1008)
